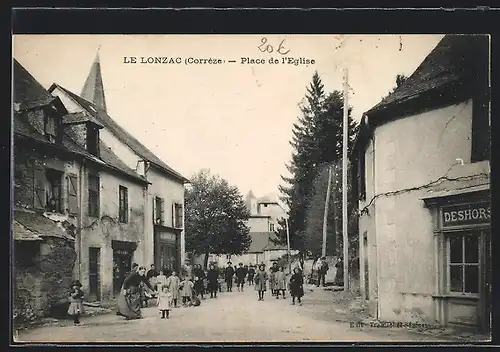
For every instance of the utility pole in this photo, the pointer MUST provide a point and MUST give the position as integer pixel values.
(325, 216)
(345, 135)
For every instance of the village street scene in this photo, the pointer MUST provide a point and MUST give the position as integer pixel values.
(286, 189)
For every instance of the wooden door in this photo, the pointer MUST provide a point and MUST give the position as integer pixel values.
(486, 300)
(94, 270)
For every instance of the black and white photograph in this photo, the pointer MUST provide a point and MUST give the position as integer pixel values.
(251, 188)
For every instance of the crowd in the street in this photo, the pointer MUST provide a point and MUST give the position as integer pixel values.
(187, 289)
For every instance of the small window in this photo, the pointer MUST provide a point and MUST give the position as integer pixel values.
(50, 128)
(271, 227)
(92, 140)
(464, 263)
(158, 210)
(94, 188)
(123, 204)
(53, 193)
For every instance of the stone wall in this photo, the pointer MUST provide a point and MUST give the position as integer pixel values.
(43, 275)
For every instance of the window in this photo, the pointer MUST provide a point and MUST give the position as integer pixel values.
(271, 227)
(50, 128)
(158, 210)
(53, 192)
(94, 186)
(362, 175)
(177, 215)
(123, 204)
(464, 263)
(92, 140)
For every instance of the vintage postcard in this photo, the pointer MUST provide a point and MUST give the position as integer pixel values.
(251, 188)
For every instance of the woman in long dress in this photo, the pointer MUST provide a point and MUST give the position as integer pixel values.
(129, 300)
(173, 283)
(297, 286)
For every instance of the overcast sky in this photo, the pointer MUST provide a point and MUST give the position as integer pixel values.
(235, 119)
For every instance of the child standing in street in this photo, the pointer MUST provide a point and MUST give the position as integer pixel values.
(280, 282)
(260, 281)
(76, 308)
(297, 286)
(186, 288)
(164, 301)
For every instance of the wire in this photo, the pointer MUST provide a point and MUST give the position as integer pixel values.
(438, 180)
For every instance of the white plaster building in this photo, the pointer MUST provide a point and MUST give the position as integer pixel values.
(424, 176)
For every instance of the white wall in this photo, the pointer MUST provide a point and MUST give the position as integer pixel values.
(412, 152)
(171, 191)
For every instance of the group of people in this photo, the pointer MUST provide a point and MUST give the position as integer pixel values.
(167, 287)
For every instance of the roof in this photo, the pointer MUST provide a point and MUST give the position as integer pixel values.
(453, 60)
(107, 157)
(260, 241)
(27, 91)
(21, 233)
(449, 73)
(33, 225)
(80, 117)
(120, 133)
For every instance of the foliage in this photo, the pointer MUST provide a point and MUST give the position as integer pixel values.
(215, 217)
(400, 79)
(317, 140)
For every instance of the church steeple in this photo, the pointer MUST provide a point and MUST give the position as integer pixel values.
(93, 89)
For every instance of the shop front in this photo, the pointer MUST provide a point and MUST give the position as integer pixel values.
(462, 235)
(167, 248)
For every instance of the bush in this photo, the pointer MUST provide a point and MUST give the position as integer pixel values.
(23, 312)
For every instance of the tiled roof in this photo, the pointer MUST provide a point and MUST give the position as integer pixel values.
(112, 159)
(453, 60)
(120, 133)
(27, 91)
(107, 157)
(21, 233)
(78, 117)
(34, 223)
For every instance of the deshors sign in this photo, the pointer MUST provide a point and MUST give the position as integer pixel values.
(467, 214)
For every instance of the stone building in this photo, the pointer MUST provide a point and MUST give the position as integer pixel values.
(162, 224)
(424, 180)
(66, 175)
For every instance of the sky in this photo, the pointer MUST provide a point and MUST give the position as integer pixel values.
(235, 119)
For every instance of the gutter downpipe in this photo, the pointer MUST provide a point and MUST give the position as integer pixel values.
(80, 217)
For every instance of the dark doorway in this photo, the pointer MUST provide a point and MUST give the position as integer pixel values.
(367, 273)
(122, 263)
(166, 250)
(94, 270)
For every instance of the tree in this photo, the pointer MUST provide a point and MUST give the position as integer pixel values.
(400, 79)
(215, 217)
(317, 140)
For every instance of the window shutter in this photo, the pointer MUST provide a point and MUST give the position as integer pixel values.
(174, 213)
(162, 210)
(39, 187)
(154, 210)
(72, 194)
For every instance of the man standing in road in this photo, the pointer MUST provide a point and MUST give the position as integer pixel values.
(322, 270)
(240, 276)
(229, 274)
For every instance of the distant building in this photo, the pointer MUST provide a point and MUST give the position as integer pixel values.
(424, 191)
(263, 223)
(161, 224)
